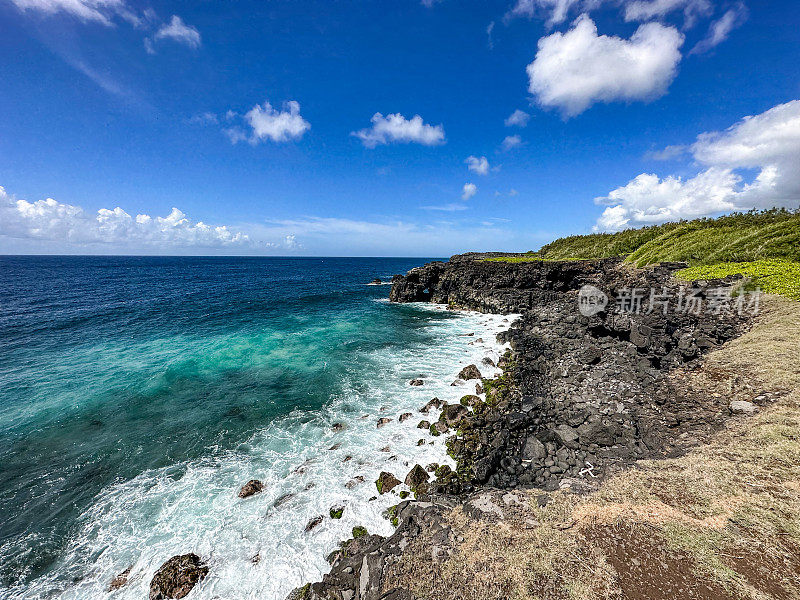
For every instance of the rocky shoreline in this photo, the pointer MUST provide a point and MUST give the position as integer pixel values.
(580, 397)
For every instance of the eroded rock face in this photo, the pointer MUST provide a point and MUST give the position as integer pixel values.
(594, 392)
(177, 577)
(252, 487)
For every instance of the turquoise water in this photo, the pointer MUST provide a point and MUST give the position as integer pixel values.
(137, 394)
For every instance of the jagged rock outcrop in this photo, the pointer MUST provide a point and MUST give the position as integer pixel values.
(177, 577)
(252, 487)
(586, 389)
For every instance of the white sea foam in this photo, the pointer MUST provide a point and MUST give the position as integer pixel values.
(193, 507)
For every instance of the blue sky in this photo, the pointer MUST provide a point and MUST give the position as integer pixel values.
(133, 128)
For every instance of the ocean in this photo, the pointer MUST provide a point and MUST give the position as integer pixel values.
(138, 394)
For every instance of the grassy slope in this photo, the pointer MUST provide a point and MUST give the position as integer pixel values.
(764, 246)
(740, 237)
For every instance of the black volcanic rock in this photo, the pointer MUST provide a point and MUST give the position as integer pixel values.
(176, 577)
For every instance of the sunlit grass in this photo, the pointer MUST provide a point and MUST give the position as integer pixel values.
(771, 276)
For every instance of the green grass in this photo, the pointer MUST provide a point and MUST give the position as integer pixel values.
(771, 276)
(739, 237)
(762, 246)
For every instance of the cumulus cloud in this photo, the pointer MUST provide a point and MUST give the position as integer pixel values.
(177, 31)
(510, 142)
(519, 118)
(720, 29)
(478, 165)
(71, 226)
(768, 142)
(395, 128)
(573, 70)
(100, 11)
(268, 123)
(468, 191)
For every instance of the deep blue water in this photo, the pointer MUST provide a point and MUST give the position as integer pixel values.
(111, 366)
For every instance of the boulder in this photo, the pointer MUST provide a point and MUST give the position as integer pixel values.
(469, 372)
(488, 362)
(566, 435)
(469, 400)
(424, 424)
(252, 487)
(404, 416)
(336, 512)
(742, 407)
(439, 428)
(452, 414)
(386, 482)
(416, 382)
(176, 577)
(416, 476)
(534, 450)
(383, 421)
(434, 403)
(338, 426)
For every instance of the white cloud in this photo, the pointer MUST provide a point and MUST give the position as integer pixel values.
(72, 227)
(644, 10)
(396, 128)
(468, 191)
(452, 207)
(176, 31)
(768, 142)
(267, 122)
(668, 153)
(519, 118)
(575, 69)
(478, 165)
(720, 29)
(511, 141)
(100, 11)
(557, 10)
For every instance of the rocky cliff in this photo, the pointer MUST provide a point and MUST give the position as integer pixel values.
(591, 384)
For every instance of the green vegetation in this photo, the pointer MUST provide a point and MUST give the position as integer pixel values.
(336, 512)
(359, 531)
(771, 276)
(763, 246)
(739, 237)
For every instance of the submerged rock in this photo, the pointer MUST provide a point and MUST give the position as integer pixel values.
(177, 577)
(120, 580)
(313, 523)
(252, 487)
